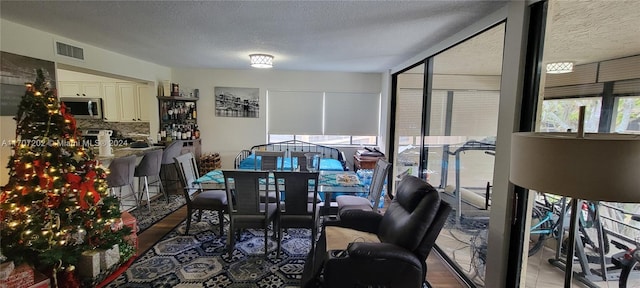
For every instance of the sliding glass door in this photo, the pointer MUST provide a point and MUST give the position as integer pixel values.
(446, 112)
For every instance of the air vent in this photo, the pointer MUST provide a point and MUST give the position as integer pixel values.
(69, 51)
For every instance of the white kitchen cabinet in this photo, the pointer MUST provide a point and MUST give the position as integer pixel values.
(111, 107)
(145, 103)
(79, 89)
(127, 98)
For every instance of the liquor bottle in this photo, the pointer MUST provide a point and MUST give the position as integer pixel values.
(193, 112)
(197, 132)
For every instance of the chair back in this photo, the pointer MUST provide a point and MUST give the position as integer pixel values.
(121, 171)
(302, 159)
(414, 218)
(150, 164)
(188, 173)
(295, 186)
(377, 182)
(172, 151)
(269, 160)
(244, 187)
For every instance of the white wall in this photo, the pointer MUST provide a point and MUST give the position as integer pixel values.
(229, 135)
(26, 41)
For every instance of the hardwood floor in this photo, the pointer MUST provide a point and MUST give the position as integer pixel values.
(438, 274)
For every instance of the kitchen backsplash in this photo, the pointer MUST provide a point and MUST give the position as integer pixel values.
(123, 128)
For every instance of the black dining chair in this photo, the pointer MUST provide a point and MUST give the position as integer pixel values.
(196, 197)
(247, 210)
(301, 157)
(148, 167)
(296, 211)
(269, 160)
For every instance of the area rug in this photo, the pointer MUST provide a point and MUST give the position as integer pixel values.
(200, 259)
(159, 210)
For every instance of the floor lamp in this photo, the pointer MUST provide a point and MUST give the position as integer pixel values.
(597, 167)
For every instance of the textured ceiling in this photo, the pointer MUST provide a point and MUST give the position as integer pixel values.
(584, 31)
(591, 31)
(353, 36)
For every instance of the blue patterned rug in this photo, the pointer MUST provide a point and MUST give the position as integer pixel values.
(200, 259)
(159, 209)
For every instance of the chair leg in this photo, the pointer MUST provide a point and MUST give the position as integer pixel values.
(279, 242)
(186, 232)
(266, 239)
(165, 192)
(221, 221)
(199, 215)
(314, 236)
(231, 239)
(146, 188)
(135, 197)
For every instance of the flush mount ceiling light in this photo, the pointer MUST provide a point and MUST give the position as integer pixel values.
(560, 67)
(261, 60)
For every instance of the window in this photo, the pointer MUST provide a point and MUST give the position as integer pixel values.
(326, 139)
(329, 118)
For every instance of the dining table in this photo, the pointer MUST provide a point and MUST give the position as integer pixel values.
(329, 182)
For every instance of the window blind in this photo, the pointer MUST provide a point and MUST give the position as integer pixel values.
(323, 113)
(351, 113)
(294, 112)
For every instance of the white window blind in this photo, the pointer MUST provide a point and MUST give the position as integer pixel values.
(323, 113)
(295, 112)
(351, 113)
(475, 113)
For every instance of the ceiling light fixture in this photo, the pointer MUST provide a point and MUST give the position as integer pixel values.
(261, 60)
(560, 67)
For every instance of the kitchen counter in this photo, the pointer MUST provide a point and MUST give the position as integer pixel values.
(125, 151)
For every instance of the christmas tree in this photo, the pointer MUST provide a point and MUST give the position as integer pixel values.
(56, 204)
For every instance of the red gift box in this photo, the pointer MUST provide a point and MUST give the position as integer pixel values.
(41, 281)
(130, 221)
(22, 276)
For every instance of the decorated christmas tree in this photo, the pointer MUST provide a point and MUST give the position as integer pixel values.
(56, 204)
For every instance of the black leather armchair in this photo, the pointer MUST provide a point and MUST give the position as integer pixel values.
(387, 250)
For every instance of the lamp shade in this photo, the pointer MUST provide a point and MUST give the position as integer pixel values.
(604, 167)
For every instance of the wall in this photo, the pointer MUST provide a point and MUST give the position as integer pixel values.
(23, 40)
(229, 135)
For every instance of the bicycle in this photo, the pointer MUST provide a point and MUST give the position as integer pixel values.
(545, 223)
(629, 261)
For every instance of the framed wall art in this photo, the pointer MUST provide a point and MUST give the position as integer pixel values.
(237, 102)
(15, 71)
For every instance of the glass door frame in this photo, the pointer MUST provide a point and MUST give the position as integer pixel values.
(535, 21)
(425, 125)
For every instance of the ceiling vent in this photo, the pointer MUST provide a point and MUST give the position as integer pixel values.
(69, 50)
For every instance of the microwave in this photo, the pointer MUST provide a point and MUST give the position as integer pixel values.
(83, 108)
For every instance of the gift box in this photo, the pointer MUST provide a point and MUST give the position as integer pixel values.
(130, 221)
(109, 257)
(41, 281)
(5, 270)
(21, 276)
(89, 264)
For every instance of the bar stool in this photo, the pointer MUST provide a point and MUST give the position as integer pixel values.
(150, 167)
(167, 169)
(121, 174)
